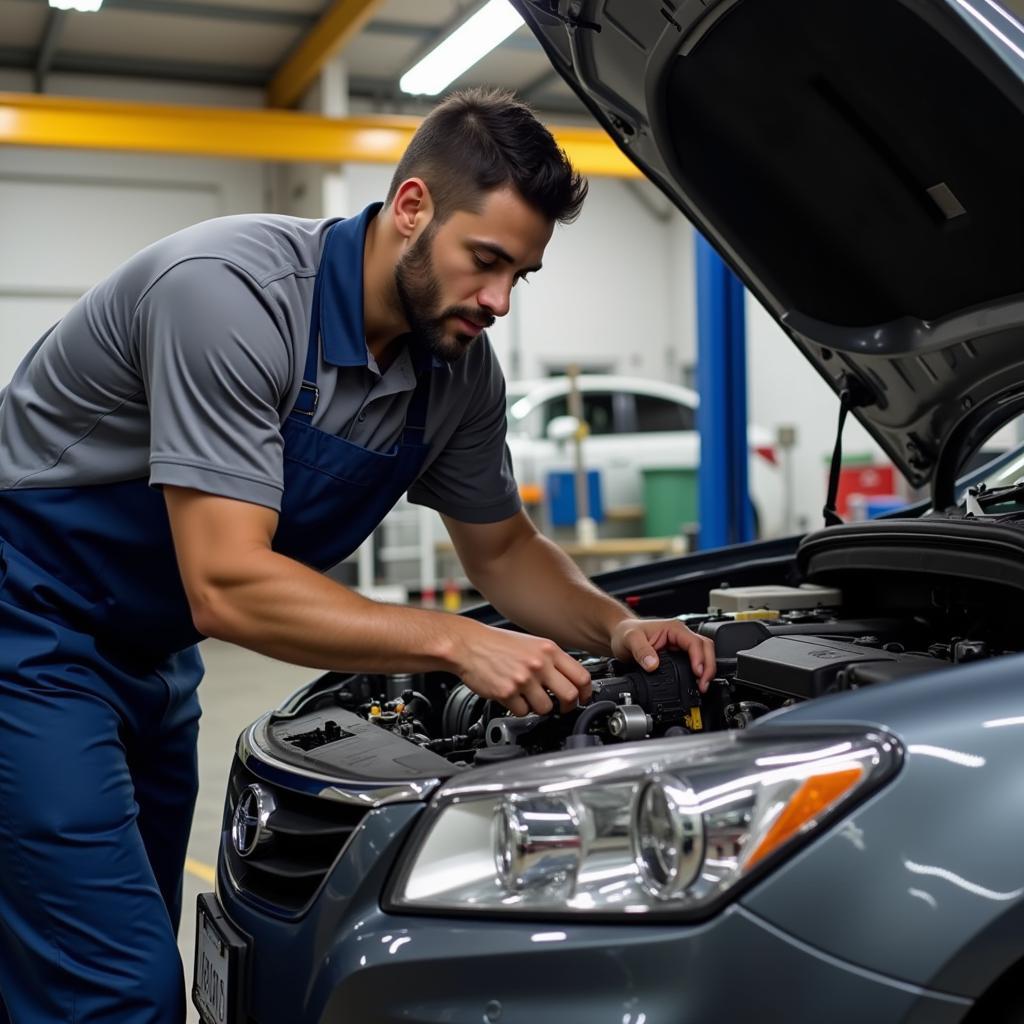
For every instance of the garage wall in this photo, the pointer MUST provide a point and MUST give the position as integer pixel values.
(783, 388)
(69, 217)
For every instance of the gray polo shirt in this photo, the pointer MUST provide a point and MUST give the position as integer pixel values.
(181, 366)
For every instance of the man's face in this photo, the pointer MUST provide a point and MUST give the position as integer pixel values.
(457, 277)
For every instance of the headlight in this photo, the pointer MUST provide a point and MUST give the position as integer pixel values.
(668, 836)
(672, 826)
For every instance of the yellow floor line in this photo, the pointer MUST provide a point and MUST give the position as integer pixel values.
(200, 870)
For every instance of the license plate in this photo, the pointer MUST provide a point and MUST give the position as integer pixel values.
(219, 965)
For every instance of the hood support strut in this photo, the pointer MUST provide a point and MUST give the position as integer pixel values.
(852, 395)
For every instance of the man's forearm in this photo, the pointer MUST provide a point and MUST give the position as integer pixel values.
(287, 611)
(537, 586)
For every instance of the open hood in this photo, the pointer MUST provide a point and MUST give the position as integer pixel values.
(859, 164)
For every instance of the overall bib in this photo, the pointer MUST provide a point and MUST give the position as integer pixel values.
(99, 713)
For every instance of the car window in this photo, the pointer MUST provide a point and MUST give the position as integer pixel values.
(598, 411)
(653, 413)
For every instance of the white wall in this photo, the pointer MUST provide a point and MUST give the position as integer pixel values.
(603, 296)
(68, 217)
(784, 389)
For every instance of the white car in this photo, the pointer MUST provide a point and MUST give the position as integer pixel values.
(634, 424)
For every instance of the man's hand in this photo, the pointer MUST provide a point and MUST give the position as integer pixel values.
(641, 639)
(518, 671)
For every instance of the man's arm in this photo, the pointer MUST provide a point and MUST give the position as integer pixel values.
(242, 591)
(536, 585)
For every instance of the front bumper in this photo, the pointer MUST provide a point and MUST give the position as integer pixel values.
(345, 961)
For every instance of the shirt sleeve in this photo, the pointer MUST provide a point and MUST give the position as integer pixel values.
(215, 365)
(471, 478)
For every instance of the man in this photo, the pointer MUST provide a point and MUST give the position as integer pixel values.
(233, 409)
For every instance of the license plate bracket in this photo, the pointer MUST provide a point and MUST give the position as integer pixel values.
(218, 986)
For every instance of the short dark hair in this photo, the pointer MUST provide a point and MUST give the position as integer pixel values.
(478, 140)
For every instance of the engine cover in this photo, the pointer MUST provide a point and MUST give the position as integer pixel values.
(808, 666)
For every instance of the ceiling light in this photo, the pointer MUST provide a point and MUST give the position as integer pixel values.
(470, 42)
(85, 6)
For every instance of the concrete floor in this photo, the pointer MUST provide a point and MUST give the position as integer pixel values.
(239, 686)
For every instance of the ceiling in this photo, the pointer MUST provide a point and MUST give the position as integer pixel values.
(243, 43)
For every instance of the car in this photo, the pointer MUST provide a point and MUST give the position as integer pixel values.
(833, 830)
(634, 424)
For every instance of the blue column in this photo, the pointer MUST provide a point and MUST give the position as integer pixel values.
(726, 515)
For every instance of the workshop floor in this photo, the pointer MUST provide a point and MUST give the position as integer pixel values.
(238, 687)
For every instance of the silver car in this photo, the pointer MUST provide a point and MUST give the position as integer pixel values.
(833, 832)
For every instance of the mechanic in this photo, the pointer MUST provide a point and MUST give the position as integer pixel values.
(228, 414)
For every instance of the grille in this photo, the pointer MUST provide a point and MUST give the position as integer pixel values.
(307, 834)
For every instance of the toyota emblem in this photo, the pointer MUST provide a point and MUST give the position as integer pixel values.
(249, 822)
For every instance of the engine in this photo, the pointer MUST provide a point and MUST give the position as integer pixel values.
(774, 646)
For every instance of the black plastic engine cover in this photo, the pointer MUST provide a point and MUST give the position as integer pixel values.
(730, 636)
(337, 740)
(808, 666)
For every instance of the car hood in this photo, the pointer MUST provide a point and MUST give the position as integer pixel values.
(859, 164)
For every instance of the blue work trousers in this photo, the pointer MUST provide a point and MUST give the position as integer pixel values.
(98, 780)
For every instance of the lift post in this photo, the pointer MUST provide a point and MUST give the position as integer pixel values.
(726, 514)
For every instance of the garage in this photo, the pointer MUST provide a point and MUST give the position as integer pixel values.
(510, 510)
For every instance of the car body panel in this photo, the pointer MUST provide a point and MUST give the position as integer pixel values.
(367, 965)
(924, 881)
(518, 975)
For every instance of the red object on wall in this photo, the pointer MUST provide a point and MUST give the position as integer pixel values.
(863, 479)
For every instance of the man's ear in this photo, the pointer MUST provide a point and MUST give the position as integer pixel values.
(412, 207)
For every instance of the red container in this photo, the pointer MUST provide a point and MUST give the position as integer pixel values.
(863, 478)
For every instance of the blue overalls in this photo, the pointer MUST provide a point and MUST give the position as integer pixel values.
(98, 706)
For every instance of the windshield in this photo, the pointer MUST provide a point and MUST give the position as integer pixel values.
(996, 488)
(1008, 473)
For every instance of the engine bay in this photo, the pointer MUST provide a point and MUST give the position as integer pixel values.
(775, 646)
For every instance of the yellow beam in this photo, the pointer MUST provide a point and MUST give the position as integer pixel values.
(341, 23)
(274, 135)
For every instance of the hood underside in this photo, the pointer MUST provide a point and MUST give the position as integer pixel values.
(859, 164)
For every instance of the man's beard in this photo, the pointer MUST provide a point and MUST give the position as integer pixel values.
(419, 294)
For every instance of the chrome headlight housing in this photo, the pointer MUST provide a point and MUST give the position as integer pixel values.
(662, 827)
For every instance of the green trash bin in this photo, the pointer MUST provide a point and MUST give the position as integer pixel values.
(670, 500)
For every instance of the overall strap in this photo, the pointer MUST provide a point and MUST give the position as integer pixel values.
(416, 416)
(309, 393)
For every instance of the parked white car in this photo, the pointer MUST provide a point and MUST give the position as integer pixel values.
(634, 424)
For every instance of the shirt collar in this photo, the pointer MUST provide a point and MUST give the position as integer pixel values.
(342, 330)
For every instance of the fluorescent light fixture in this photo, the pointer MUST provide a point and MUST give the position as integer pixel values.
(470, 42)
(85, 6)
